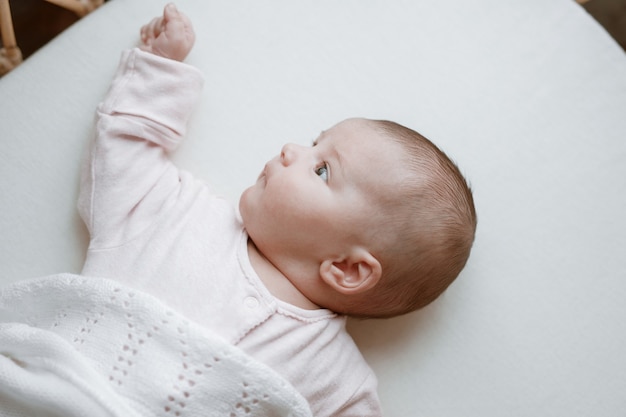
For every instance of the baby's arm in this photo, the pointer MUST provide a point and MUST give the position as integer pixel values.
(170, 36)
(128, 179)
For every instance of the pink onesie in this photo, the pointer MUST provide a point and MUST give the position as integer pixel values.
(159, 229)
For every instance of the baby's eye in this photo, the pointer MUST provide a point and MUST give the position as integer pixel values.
(322, 171)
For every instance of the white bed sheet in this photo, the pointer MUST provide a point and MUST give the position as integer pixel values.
(529, 97)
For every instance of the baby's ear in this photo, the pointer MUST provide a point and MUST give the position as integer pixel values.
(358, 272)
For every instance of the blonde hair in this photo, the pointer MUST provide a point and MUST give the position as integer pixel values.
(432, 222)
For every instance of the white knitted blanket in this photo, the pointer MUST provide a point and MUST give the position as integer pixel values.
(78, 346)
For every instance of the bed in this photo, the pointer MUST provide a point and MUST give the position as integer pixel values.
(529, 97)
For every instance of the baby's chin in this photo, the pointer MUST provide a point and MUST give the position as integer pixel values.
(244, 205)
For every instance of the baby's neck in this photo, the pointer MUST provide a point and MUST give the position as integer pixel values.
(275, 281)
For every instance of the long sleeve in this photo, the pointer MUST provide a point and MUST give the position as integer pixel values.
(127, 178)
(160, 230)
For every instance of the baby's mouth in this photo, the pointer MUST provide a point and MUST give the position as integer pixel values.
(263, 176)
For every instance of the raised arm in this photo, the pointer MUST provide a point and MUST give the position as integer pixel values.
(128, 179)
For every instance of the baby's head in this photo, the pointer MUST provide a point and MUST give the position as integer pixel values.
(373, 220)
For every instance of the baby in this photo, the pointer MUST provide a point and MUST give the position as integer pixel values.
(371, 221)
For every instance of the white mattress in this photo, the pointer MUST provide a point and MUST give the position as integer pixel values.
(529, 97)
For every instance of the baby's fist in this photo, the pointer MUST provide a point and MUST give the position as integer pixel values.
(170, 36)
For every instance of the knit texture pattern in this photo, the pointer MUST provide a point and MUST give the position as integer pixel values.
(79, 346)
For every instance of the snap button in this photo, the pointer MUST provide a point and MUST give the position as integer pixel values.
(251, 302)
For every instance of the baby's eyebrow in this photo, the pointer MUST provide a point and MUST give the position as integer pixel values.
(321, 135)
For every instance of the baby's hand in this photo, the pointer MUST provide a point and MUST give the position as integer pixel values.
(170, 36)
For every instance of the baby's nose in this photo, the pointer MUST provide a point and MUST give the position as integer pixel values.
(288, 154)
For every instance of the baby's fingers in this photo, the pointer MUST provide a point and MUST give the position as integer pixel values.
(170, 12)
(170, 35)
(152, 29)
(175, 22)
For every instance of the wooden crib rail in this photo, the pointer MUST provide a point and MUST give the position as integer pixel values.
(80, 7)
(10, 54)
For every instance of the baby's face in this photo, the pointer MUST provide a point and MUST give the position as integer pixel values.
(314, 201)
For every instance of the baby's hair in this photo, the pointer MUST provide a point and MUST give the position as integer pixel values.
(432, 222)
